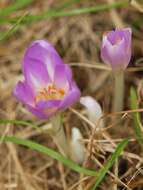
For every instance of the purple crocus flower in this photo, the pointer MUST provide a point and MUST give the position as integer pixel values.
(48, 86)
(116, 48)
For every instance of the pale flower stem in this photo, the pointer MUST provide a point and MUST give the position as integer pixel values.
(118, 105)
(59, 136)
(118, 102)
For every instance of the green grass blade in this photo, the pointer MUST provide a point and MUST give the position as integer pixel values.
(52, 153)
(110, 163)
(74, 12)
(14, 28)
(19, 122)
(136, 116)
(14, 7)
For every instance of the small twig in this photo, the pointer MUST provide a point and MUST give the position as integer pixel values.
(137, 5)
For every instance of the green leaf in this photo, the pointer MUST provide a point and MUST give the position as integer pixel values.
(20, 4)
(19, 122)
(79, 11)
(136, 116)
(55, 13)
(110, 162)
(14, 7)
(14, 28)
(49, 152)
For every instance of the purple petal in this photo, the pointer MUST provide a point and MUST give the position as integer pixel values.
(48, 104)
(68, 72)
(38, 113)
(71, 97)
(127, 34)
(23, 93)
(104, 53)
(116, 48)
(61, 77)
(42, 65)
(36, 74)
(119, 34)
(45, 109)
(44, 52)
(116, 55)
(114, 37)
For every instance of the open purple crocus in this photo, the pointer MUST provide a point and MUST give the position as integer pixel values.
(48, 86)
(116, 48)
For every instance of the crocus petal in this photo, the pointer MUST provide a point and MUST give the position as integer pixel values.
(72, 96)
(36, 74)
(117, 56)
(49, 108)
(114, 36)
(38, 113)
(49, 85)
(128, 40)
(60, 77)
(126, 34)
(119, 34)
(43, 105)
(104, 54)
(45, 109)
(43, 52)
(68, 73)
(116, 48)
(23, 93)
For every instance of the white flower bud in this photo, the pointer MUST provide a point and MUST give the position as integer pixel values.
(93, 109)
(77, 148)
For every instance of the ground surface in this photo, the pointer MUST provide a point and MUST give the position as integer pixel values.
(78, 41)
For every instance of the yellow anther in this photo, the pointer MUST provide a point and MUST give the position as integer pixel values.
(50, 93)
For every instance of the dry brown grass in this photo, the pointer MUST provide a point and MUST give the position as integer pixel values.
(78, 41)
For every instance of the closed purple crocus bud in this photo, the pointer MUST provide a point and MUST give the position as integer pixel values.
(48, 86)
(116, 48)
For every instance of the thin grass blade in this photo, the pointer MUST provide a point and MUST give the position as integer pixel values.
(14, 28)
(110, 163)
(19, 122)
(136, 117)
(49, 152)
(74, 12)
(19, 4)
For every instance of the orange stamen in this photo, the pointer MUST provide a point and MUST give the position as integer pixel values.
(50, 93)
